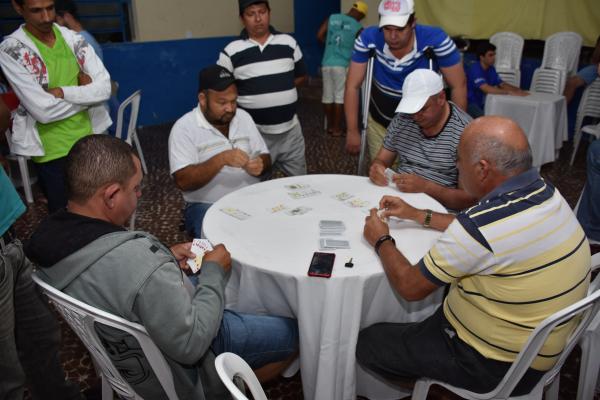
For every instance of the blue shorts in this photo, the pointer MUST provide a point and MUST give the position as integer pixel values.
(258, 339)
(588, 74)
(194, 215)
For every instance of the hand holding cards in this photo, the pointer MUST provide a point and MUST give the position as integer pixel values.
(199, 247)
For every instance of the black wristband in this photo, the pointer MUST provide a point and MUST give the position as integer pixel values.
(381, 240)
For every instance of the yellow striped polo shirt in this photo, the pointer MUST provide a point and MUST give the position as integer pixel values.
(512, 260)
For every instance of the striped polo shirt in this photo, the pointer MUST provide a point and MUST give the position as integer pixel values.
(512, 260)
(265, 79)
(433, 158)
(389, 72)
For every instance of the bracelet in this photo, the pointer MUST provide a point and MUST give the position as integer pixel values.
(381, 240)
(427, 222)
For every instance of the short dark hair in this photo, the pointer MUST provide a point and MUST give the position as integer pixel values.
(66, 6)
(483, 48)
(95, 161)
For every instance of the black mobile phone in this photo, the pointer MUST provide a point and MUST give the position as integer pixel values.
(321, 264)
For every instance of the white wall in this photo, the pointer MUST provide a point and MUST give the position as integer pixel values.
(179, 19)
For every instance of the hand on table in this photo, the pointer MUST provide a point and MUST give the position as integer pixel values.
(393, 206)
(255, 166)
(377, 174)
(182, 252)
(410, 183)
(220, 255)
(235, 158)
(353, 142)
(374, 227)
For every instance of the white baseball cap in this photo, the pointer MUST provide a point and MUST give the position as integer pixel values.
(395, 12)
(418, 86)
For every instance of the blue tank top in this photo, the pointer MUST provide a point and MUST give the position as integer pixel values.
(341, 32)
(11, 206)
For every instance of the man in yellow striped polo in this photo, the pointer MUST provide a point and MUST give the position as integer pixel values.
(510, 261)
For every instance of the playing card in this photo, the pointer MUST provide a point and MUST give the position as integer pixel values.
(298, 210)
(296, 186)
(199, 247)
(357, 203)
(333, 244)
(328, 223)
(303, 193)
(342, 196)
(236, 213)
(277, 208)
(380, 215)
(389, 174)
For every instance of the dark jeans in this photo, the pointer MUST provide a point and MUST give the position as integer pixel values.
(29, 335)
(51, 176)
(588, 213)
(432, 349)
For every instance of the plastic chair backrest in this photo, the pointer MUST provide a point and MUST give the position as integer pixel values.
(548, 81)
(511, 77)
(134, 100)
(82, 317)
(231, 365)
(587, 307)
(509, 49)
(561, 51)
(589, 105)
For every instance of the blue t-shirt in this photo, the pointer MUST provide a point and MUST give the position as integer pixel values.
(341, 32)
(477, 76)
(11, 206)
(389, 72)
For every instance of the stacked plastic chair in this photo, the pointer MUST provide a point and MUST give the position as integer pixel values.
(561, 53)
(509, 50)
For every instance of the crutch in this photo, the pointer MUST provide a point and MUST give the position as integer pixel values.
(365, 93)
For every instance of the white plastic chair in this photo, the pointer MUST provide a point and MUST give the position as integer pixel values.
(589, 371)
(561, 51)
(26, 180)
(587, 308)
(589, 106)
(131, 133)
(82, 318)
(231, 365)
(509, 50)
(548, 81)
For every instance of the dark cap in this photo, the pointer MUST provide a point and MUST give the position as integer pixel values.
(247, 3)
(216, 78)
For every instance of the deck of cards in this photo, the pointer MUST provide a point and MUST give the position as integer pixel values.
(199, 247)
(389, 174)
(236, 213)
(331, 227)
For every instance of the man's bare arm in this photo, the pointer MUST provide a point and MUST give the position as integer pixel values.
(354, 80)
(196, 176)
(455, 77)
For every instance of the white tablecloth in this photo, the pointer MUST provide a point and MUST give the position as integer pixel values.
(543, 117)
(272, 252)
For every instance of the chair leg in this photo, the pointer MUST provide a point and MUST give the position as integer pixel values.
(590, 367)
(25, 178)
(551, 391)
(576, 139)
(107, 392)
(138, 146)
(421, 389)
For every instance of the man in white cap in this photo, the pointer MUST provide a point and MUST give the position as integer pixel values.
(400, 46)
(424, 135)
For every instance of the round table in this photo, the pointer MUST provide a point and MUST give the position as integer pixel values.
(272, 252)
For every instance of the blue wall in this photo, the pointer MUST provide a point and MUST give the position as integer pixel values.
(167, 73)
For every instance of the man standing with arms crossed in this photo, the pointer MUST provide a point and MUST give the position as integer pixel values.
(268, 66)
(400, 47)
(61, 85)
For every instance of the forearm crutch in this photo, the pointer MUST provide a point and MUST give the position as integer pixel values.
(365, 93)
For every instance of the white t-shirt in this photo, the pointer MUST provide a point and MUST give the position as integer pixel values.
(193, 141)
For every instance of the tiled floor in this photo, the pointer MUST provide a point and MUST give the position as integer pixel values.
(159, 212)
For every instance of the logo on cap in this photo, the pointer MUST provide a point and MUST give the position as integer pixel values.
(224, 74)
(392, 5)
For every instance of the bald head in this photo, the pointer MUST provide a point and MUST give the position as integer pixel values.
(498, 140)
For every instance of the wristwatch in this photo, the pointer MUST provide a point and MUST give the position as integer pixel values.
(427, 222)
(380, 241)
